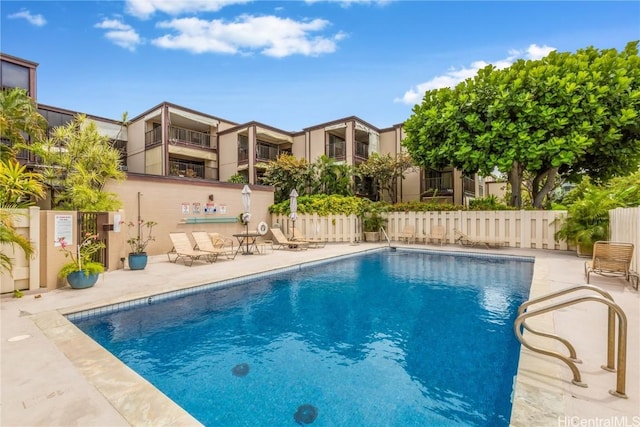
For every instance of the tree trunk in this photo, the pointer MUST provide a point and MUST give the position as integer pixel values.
(515, 179)
(538, 195)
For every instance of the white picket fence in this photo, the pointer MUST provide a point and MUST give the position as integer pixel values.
(624, 226)
(522, 229)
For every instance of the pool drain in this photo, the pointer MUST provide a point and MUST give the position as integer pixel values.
(306, 414)
(240, 370)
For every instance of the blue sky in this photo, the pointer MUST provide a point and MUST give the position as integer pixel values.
(289, 64)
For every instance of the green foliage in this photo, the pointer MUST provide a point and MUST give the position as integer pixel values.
(78, 162)
(322, 205)
(386, 171)
(565, 114)
(370, 213)
(489, 203)
(9, 236)
(286, 173)
(80, 256)
(587, 218)
(330, 177)
(19, 120)
(416, 206)
(237, 179)
(143, 235)
(17, 185)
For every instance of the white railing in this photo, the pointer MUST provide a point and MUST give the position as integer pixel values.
(522, 229)
(624, 226)
(331, 228)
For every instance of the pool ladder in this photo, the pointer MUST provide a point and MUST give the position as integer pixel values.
(384, 233)
(613, 310)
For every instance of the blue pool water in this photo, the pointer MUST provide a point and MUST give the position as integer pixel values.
(402, 338)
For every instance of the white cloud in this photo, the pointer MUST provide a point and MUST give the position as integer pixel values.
(145, 8)
(455, 76)
(271, 35)
(37, 20)
(121, 34)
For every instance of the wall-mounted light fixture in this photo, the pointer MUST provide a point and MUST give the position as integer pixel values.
(211, 197)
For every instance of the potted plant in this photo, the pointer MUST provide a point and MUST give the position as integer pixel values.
(81, 271)
(138, 243)
(372, 222)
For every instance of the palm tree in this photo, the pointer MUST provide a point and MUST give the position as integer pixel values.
(19, 121)
(9, 237)
(332, 177)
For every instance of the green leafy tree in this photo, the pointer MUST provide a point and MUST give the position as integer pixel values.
(588, 208)
(386, 171)
(331, 177)
(237, 179)
(78, 161)
(18, 187)
(286, 173)
(9, 236)
(567, 114)
(19, 121)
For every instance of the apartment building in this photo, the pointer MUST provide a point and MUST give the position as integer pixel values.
(172, 140)
(20, 73)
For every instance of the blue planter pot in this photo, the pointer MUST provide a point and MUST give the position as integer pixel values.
(79, 280)
(138, 261)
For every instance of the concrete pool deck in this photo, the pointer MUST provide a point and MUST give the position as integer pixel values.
(53, 375)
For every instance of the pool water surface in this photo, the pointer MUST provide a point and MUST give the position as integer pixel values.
(391, 338)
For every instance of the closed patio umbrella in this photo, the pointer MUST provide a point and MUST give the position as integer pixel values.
(246, 205)
(293, 207)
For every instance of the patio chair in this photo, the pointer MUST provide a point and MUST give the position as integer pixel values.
(282, 242)
(182, 249)
(465, 240)
(437, 233)
(316, 242)
(408, 233)
(610, 259)
(205, 244)
(221, 241)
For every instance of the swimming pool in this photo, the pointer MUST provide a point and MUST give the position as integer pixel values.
(389, 338)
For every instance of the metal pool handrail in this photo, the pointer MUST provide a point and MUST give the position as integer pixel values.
(385, 235)
(572, 352)
(622, 340)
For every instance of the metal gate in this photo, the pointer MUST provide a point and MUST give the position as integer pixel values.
(94, 223)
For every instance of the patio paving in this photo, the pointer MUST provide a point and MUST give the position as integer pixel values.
(53, 375)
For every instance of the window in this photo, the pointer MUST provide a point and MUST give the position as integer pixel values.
(14, 75)
(266, 151)
(335, 147)
(243, 148)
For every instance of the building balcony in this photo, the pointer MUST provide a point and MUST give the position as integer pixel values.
(437, 186)
(362, 150)
(181, 136)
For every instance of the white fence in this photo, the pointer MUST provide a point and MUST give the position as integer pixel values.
(624, 226)
(522, 229)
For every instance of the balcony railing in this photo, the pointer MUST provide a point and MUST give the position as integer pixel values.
(153, 136)
(180, 136)
(185, 169)
(441, 185)
(266, 153)
(468, 185)
(336, 150)
(362, 150)
(192, 137)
